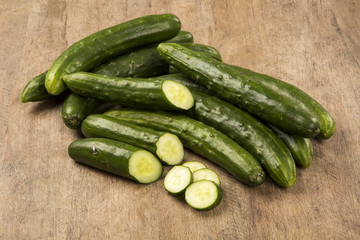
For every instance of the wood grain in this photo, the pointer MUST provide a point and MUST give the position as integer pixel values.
(45, 195)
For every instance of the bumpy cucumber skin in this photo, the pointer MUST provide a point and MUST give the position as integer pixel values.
(202, 139)
(244, 90)
(108, 43)
(35, 90)
(327, 123)
(109, 155)
(244, 129)
(99, 125)
(75, 109)
(131, 92)
(301, 148)
(141, 63)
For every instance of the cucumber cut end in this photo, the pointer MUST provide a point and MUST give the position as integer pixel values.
(170, 149)
(194, 165)
(203, 195)
(177, 180)
(206, 174)
(178, 94)
(145, 167)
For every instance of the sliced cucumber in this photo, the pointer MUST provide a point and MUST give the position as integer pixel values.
(177, 94)
(144, 167)
(203, 195)
(170, 149)
(177, 180)
(194, 165)
(206, 174)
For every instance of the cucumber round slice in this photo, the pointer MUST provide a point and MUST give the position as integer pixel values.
(206, 174)
(145, 167)
(178, 94)
(170, 149)
(177, 180)
(194, 165)
(203, 195)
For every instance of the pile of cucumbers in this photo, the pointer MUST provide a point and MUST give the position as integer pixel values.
(168, 92)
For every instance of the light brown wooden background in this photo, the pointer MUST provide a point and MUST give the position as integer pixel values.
(45, 195)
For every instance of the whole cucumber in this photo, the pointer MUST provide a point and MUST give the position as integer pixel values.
(108, 43)
(201, 139)
(244, 90)
(35, 90)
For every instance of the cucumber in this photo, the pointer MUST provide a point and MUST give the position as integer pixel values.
(301, 148)
(76, 108)
(35, 90)
(132, 92)
(244, 90)
(203, 195)
(140, 63)
(201, 139)
(206, 174)
(244, 129)
(165, 145)
(108, 43)
(205, 49)
(194, 165)
(177, 180)
(117, 158)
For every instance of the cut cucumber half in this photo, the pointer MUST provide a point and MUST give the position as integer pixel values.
(177, 180)
(206, 174)
(170, 149)
(145, 167)
(178, 94)
(203, 195)
(194, 165)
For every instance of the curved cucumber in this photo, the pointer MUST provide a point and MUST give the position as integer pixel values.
(75, 109)
(140, 63)
(136, 92)
(244, 90)
(35, 90)
(201, 139)
(108, 43)
(117, 158)
(301, 148)
(166, 146)
(203, 195)
(327, 123)
(244, 129)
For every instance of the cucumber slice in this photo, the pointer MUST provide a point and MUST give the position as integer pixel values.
(144, 167)
(177, 180)
(178, 94)
(170, 149)
(194, 165)
(203, 195)
(206, 174)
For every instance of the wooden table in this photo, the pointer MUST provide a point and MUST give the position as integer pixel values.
(314, 45)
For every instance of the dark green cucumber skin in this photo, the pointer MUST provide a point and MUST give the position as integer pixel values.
(75, 108)
(99, 125)
(110, 156)
(35, 90)
(244, 129)
(301, 148)
(201, 139)
(141, 63)
(130, 92)
(327, 123)
(109, 43)
(244, 90)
